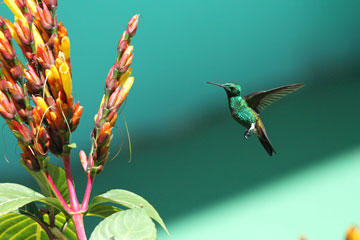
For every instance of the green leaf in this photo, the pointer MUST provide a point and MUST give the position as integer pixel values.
(60, 220)
(32, 210)
(55, 203)
(58, 176)
(15, 226)
(131, 224)
(13, 196)
(72, 145)
(129, 200)
(102, 210)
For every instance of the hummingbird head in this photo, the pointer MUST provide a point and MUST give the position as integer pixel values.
(232, 89)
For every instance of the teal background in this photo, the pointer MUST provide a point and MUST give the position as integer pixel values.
(189, 157)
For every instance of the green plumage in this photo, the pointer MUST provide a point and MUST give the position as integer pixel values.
(241, 111)
(246, 110)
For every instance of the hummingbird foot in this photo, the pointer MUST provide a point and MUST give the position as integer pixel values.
(247, 133)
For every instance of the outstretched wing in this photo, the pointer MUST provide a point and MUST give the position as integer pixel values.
(260, 100)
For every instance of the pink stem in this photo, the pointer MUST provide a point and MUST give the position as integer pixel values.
(79, 226)
(89, 185)
(70, 183)
(57, 193)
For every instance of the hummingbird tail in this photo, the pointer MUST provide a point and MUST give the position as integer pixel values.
(264, 140)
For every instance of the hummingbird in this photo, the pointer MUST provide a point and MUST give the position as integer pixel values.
(246, 110)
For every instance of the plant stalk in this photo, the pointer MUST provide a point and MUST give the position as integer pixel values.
(79, 226)
(89, 185)
(70, 183)
(57, 193)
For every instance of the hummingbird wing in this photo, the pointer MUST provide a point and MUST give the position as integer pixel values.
(262, 99)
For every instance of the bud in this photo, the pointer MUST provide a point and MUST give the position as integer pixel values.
(46, 19)
(34, 82)
(83, 160)
(25, 114)
(74, 122)
(122, 45)
(16, 91)
(23, 31)
(3, 84)
(132, 25)
(16, 72)
(5, 29)
(104, 134)
(7, 107)
(124, 92)
(51, 4)
(43, 57)
(21, 3)
(125, 60)
(5, 48)
(112, 98)
(22, 132)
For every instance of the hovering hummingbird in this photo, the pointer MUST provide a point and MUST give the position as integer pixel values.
(246, 110)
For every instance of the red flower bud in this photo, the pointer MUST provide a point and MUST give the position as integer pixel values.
(7, 108)
(16, 72)
(132, 25)
(21, 3)
(16, 91)
(3, 84)
(34, 82)
(51, 4)
(23, 32)
(46, 19)
(6, 50)
(24, 132)
(74, 122)
(125, 60)
(122, 45)
(112, 98)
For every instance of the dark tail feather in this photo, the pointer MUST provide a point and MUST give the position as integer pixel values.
(264, 140)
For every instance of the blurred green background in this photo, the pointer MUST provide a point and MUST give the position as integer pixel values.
(189, 157)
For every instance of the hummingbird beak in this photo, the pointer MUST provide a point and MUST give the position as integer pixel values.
(217, 84)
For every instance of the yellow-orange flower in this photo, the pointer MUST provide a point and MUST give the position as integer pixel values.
(66, 79)
(65, 47)
(15, 9)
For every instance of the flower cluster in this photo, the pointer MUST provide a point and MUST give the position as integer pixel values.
(353, 234)
(117, 86)
(45, 81)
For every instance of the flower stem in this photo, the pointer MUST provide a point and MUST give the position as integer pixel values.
(57, 193)
(89, 185)
(70, 183)
(79, 226)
